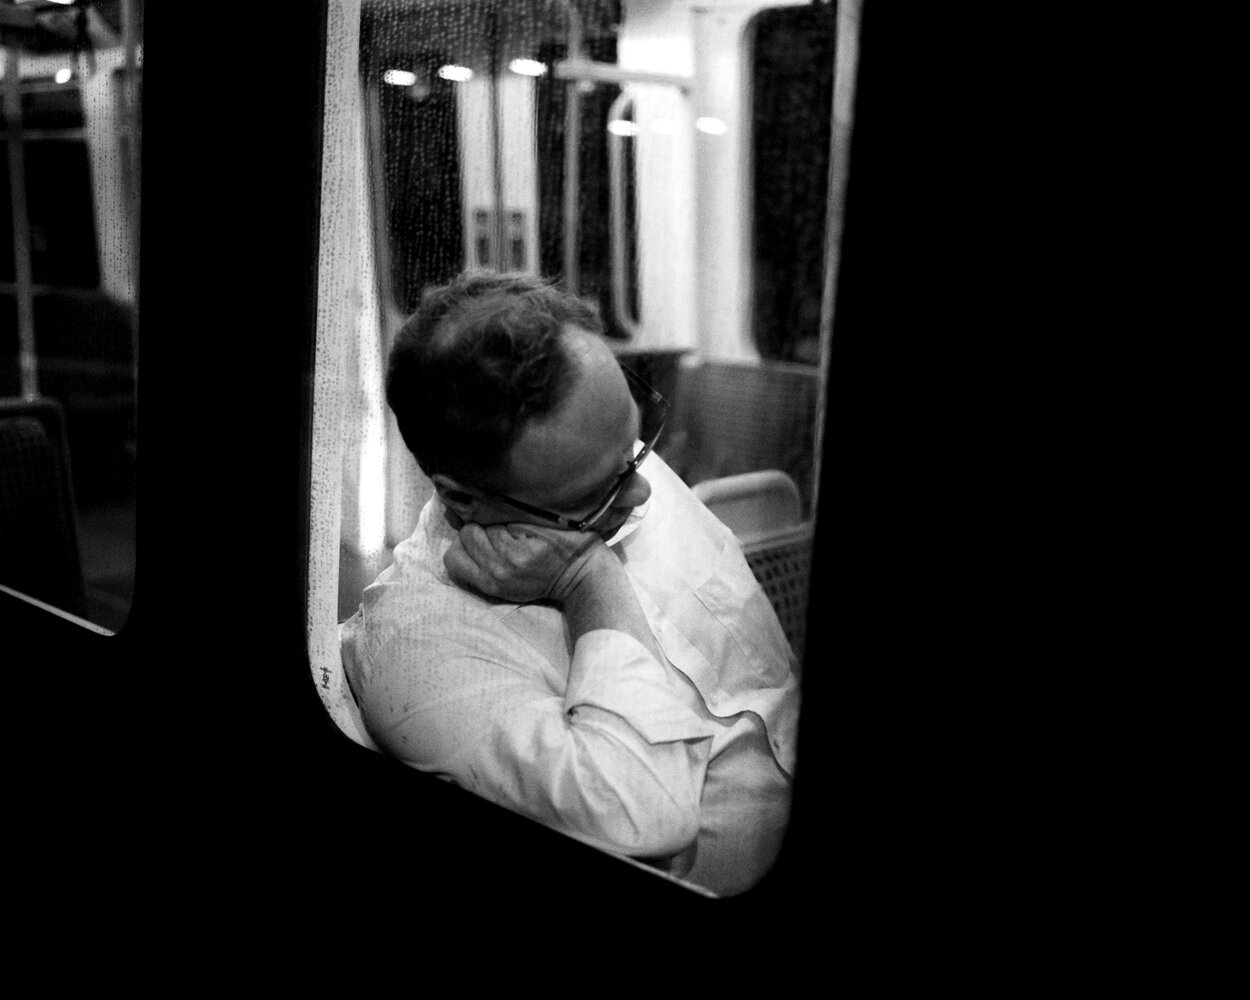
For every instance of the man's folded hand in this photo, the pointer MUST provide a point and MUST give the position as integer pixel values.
(522, 562)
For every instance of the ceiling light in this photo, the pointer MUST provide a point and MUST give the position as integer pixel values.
(527, 67)
(457, 74)
(399, 77)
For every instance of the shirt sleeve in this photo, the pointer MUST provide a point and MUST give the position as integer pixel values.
(618, 760)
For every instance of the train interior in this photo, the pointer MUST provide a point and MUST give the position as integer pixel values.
(69, 303)
(680, 165)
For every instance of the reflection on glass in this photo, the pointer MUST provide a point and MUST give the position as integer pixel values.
(69, 210)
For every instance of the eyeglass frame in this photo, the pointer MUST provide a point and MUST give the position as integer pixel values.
(653, 397)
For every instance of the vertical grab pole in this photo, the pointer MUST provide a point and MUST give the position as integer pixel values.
(572, 159)
(21, 224)
(498, 228)
(617, 221)
(572, 193)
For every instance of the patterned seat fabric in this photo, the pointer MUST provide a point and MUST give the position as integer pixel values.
(782, 564)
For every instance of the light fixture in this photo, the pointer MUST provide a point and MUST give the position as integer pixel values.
(399, 77)
(619, 126)
(527, 67)
(64, 75)
(457, 74)
(712, 126)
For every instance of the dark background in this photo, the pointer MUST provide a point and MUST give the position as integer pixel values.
(186, 765)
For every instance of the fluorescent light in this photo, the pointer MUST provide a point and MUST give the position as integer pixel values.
(712, 126)
(527, 67)
(619, 126)
(458, 74)
(399, 77)
(63, 75)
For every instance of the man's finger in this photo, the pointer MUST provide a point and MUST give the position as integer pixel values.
(477, 542)
(462, 569)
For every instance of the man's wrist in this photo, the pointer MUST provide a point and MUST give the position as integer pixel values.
(587, 574)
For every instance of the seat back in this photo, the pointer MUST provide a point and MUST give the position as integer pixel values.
(763, 511)
(734, 417)
(39, 552)
(752, 504)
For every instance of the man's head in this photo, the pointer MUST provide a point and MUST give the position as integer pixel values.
(503, 388)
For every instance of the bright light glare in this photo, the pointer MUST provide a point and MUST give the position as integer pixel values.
(619, 126)
(712, 126)
(527, 67)
(63, 74)
(458, 74)
(399, 77)
(665, 126)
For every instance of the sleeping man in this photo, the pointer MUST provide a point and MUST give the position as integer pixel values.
(569, 632)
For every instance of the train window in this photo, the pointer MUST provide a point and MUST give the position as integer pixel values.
(649, 156)
(69, 209)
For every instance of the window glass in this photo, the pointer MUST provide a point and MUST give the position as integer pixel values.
(691, 208)
(69, 297)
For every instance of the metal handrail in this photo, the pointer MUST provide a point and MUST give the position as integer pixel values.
(580, 71)
(600, 72)
(572, 165)
(617, 222)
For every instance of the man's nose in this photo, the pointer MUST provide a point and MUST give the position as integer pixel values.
(635, 493)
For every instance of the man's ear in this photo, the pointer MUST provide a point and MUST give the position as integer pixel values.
(458, 499)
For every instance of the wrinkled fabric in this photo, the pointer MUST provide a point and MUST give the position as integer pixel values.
(688, 760)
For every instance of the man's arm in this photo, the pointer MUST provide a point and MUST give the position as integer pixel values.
(617, 758)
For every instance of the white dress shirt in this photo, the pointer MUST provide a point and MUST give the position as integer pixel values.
(688, 760)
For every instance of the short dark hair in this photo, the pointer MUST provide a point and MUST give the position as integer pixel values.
(479, 357)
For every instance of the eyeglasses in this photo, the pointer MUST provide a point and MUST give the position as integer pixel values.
(653, 409)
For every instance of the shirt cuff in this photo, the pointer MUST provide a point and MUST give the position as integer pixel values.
(615, 672)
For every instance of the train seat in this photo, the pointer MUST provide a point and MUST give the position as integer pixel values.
(752, 504)
(763, 509)
(731, 417)
(38, 522)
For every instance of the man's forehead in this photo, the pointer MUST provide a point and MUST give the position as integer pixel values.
(580, 444)
(585, 348)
